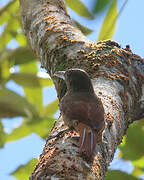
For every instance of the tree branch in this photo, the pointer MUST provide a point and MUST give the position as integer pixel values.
(117, 75)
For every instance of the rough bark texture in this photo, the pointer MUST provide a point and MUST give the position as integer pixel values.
(117, 75)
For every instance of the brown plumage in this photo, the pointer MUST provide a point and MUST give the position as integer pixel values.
(82, 109)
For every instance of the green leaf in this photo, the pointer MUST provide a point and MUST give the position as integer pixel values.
(137, 172)
(10, 31)
(14, 7)
(34, 95)
(7, 12)
(19, 132)
(79, 8)
(24, 171)
(2, 135)
(84, 29)
(21, 39)
(30, 80)
(51, 108)
(22, 55)
(12, 104)
(139, 163)
(40, 126)
(5, 72)
(4, 39)
(4, 17)
(118, 175)
(133, 149)
(100, 5)
(30, 67)
(17, 56)
(109, 23)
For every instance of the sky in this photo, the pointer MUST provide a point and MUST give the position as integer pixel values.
(129, 30)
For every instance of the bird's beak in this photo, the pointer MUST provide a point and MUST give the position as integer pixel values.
(59, 74)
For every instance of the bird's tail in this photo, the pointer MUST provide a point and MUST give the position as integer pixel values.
(88, 139)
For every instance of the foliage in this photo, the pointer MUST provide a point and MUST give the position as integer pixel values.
(23, 172)
(36, 117)
(80, 8)
(109, 23)
(39, 118)
(119, 175)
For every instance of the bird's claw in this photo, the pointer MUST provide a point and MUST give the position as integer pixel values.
(61, 133)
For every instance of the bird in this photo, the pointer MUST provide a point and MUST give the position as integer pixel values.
(81, 109)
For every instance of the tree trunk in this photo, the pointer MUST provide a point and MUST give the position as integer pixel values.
(118, 79)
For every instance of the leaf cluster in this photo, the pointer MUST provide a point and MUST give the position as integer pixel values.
(15, 53)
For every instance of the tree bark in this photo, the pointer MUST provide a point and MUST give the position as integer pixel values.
(118, 79)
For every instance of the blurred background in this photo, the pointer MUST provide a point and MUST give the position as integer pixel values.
(28, 100)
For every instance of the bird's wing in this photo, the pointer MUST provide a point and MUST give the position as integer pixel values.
(87, 111)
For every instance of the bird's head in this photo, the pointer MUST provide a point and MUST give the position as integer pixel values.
(77, 80)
